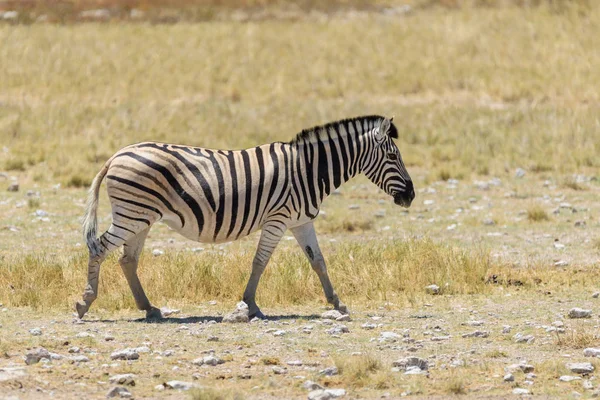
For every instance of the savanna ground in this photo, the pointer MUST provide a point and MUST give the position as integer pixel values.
(497, 107)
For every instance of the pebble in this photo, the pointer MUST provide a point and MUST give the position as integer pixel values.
(506, 328)
(432, 289)
(568, 378)
(596, 295)
(476, 334)
(520, 338)
(338, 330)
(279, 370)
(74, 349)
(178, 385)
(295, 363)
(520, 391)
(389, 337)
(13, 187)
(125, 354)
(279, 333)
(330, 371)
(35, 331)
(101, 13)
(84, 335)
(591, 352)
(326, 394)
(241, 314)
(561, 263)
(80, 359)
(580, 368)
(310, 385)
(579, 313)
(157, 252)
(34, 356)
(509, 378)
(123, 379)
(119, 391)
(519, 173)
(526, 368)
(331, 314)
(368, 326)
(165, 311)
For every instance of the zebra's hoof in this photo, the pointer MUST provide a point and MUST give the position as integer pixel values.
(153, 314)
(258, 314)
(81, 308)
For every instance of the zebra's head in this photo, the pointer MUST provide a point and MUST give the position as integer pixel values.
(385, 167)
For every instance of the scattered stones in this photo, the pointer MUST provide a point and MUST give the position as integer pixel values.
(473, 323)
(596, 295)
(123, 379)
(241, 314)
(520, 338)
(568, 378)
(476, 334)
(125, 354)
(35, 332)
(34, 356)
(432, 289)
(405, 363)
(326, 394)
(208, 360)
(591, 352)
(330, 371)
(579, 313)
(509, 378)
(580, 368)
(119, 391)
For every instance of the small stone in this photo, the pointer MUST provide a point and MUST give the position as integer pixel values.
(489, 222)
(389, 337)
(74, 349)
(331, 314)
(519, 173)
(125, 354)
(520, 391)
(326, 394)
(526, 368)
(165, 311)
(338, 330)
(157, 252)
(561, 263)
(407, 362)
(208, 360)
(34, 356)
(13, 187)
(123, 379)
(506, 328)
(568, 378)
(520, 338)
(179, 385)
(330, 371)
(295, 363)
(368, 326)
(587, 384)
(476, 334)
(579, 313)
(595, 295)
(344, 318)
(580, 368)
(99, 14)
(241, 314)
(35, 331)
(591, 352)
(212, 339)
(509, 378)
(109, 338)
(80, 359)
(10, 15)
(432, 289)
(119, 391)
(279, 370)
(279, 333)
(310, 385)
(84, 335)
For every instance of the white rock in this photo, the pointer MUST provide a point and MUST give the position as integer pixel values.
(519, 173)
(520, 391)
(310, 385)
(279, 370)
(279, 333)
(157, 252)
(101, 13)
(580, 368)
(8, 374)
(125, 354)
(432, 289)
(338, 329)
(506, 328)
(123, 379)
(561, 263)
(568, 378)
(476, 334)
(35, 331)
(165, 311)
(326, 394)
(241, 314)
(295, 363)
(330, 371)
(579, 313)
(368, 326)
(179, 385)
(520, 338)
(331, 314)
(84, 335)
(208, 360)
(509, 378)
(526, 368)
(595, 295)
(119, 391)
(10, 15)
(591, 352)
(389, 337)
(344, 318)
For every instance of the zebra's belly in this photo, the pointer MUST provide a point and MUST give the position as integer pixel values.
(211, 232)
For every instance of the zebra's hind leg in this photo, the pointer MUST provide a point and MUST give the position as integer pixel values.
(109, 241)
(129, 264)
(271, 234)
(307, 239)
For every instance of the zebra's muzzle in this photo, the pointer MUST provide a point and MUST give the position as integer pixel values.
(405, 197)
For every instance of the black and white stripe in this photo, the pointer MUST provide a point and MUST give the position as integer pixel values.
(217, 196)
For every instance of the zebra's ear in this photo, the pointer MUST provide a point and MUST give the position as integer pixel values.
(383, 130)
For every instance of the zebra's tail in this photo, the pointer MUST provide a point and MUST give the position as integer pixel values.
(90, 220)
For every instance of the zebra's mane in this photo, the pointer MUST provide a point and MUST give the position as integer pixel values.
(358, 122)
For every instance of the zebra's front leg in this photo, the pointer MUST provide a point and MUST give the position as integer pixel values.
(269, 238)
(307, 239)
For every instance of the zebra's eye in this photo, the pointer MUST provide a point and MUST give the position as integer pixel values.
(392, 156)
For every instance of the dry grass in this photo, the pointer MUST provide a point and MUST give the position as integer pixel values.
(362, 371)
(536, 213)
(359, 271)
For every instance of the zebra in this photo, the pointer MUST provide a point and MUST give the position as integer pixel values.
(216, 196)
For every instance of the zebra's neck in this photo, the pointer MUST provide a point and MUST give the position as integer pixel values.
(330, 155)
